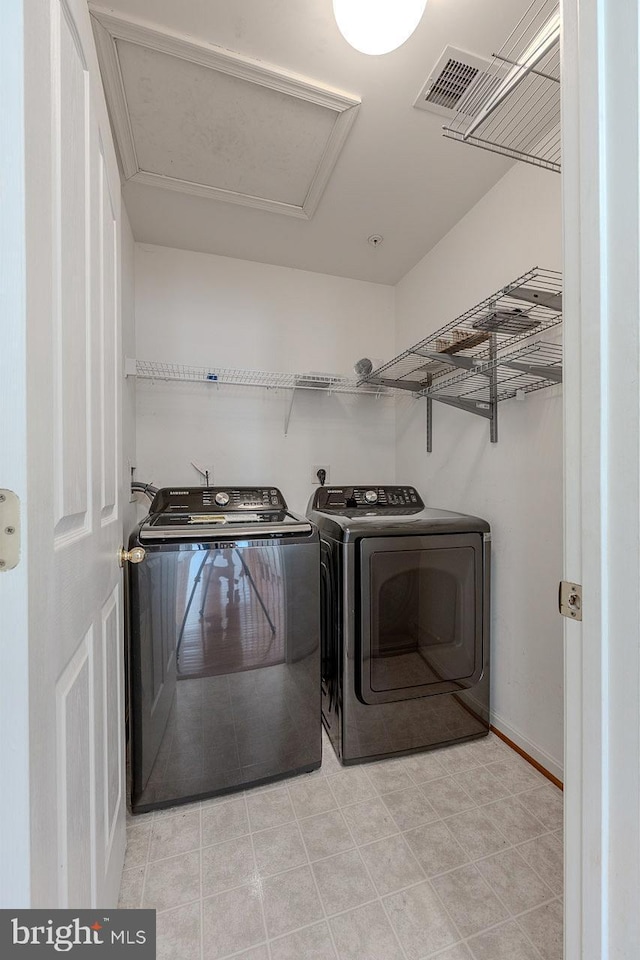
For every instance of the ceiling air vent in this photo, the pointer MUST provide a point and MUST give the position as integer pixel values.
(455, 75)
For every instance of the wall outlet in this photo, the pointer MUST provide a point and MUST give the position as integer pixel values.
(314, 473)
(131, 470)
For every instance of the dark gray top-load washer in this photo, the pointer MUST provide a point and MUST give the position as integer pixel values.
(224, 646)
(404, 621)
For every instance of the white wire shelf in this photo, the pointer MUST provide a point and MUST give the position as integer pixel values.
(232, 376)
(513, 108)
(528, 306)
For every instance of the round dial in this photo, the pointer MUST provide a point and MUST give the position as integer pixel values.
(222, 499)
(371, 496)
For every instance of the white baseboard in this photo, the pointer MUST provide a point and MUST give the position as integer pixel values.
(541, 756)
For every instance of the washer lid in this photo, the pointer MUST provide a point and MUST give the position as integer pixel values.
(220, 513)
(223, 526)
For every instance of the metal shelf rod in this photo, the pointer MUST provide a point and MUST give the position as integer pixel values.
(537, 50)
(514, 63)
(506, 151)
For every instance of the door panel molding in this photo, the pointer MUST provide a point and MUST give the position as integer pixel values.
(112, 716)
(109, 325)
(75, 719)
(72, 306)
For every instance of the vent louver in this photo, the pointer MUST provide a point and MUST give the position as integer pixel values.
(452, 82)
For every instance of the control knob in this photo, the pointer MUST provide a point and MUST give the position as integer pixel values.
(222, 499)
(371, 496)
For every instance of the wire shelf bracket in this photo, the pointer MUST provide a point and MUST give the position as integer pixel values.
(513, 107)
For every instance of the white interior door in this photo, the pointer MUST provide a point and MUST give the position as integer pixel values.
(601, 170)
(14, 653)
(69, 379)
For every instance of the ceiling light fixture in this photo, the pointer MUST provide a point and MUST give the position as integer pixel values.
(377, 26)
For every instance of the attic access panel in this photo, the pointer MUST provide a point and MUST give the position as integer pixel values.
(198, 119)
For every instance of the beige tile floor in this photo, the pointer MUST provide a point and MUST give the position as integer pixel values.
(453, 854)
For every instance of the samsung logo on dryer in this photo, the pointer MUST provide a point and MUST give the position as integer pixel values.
(178, 493)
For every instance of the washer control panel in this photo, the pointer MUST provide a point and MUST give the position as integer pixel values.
(381, 498)
(188, 500)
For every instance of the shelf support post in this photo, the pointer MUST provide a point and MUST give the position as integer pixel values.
(429, 416)
(493, 390)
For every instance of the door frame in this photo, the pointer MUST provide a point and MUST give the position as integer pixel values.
(601, 213)
(15, 881)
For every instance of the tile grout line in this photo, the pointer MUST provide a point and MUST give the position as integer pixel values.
(537, 872)
(315, 883)
(525, 932)
(472, 862)
(255, 865)
(372, 881)
(397, 833)
(532, 868)
(146, 867)
(515, 918)
(201, 895)
(409, 886)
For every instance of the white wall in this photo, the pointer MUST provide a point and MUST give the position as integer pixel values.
(205, 310)
(515, 484)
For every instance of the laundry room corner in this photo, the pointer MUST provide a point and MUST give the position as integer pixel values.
(195, 308)
(516, 483)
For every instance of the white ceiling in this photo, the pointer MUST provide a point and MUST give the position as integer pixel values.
(395, 175)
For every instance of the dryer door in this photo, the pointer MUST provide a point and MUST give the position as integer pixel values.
(421, 616)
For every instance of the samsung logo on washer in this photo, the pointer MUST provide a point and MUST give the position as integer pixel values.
(47, 932)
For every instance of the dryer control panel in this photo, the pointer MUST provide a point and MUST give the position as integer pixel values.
(338, 499)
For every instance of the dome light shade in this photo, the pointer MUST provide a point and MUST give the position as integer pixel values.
(377, 26)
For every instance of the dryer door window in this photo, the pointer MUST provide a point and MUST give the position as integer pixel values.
(421, 606)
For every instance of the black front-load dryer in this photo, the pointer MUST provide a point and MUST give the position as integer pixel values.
(404, 621)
